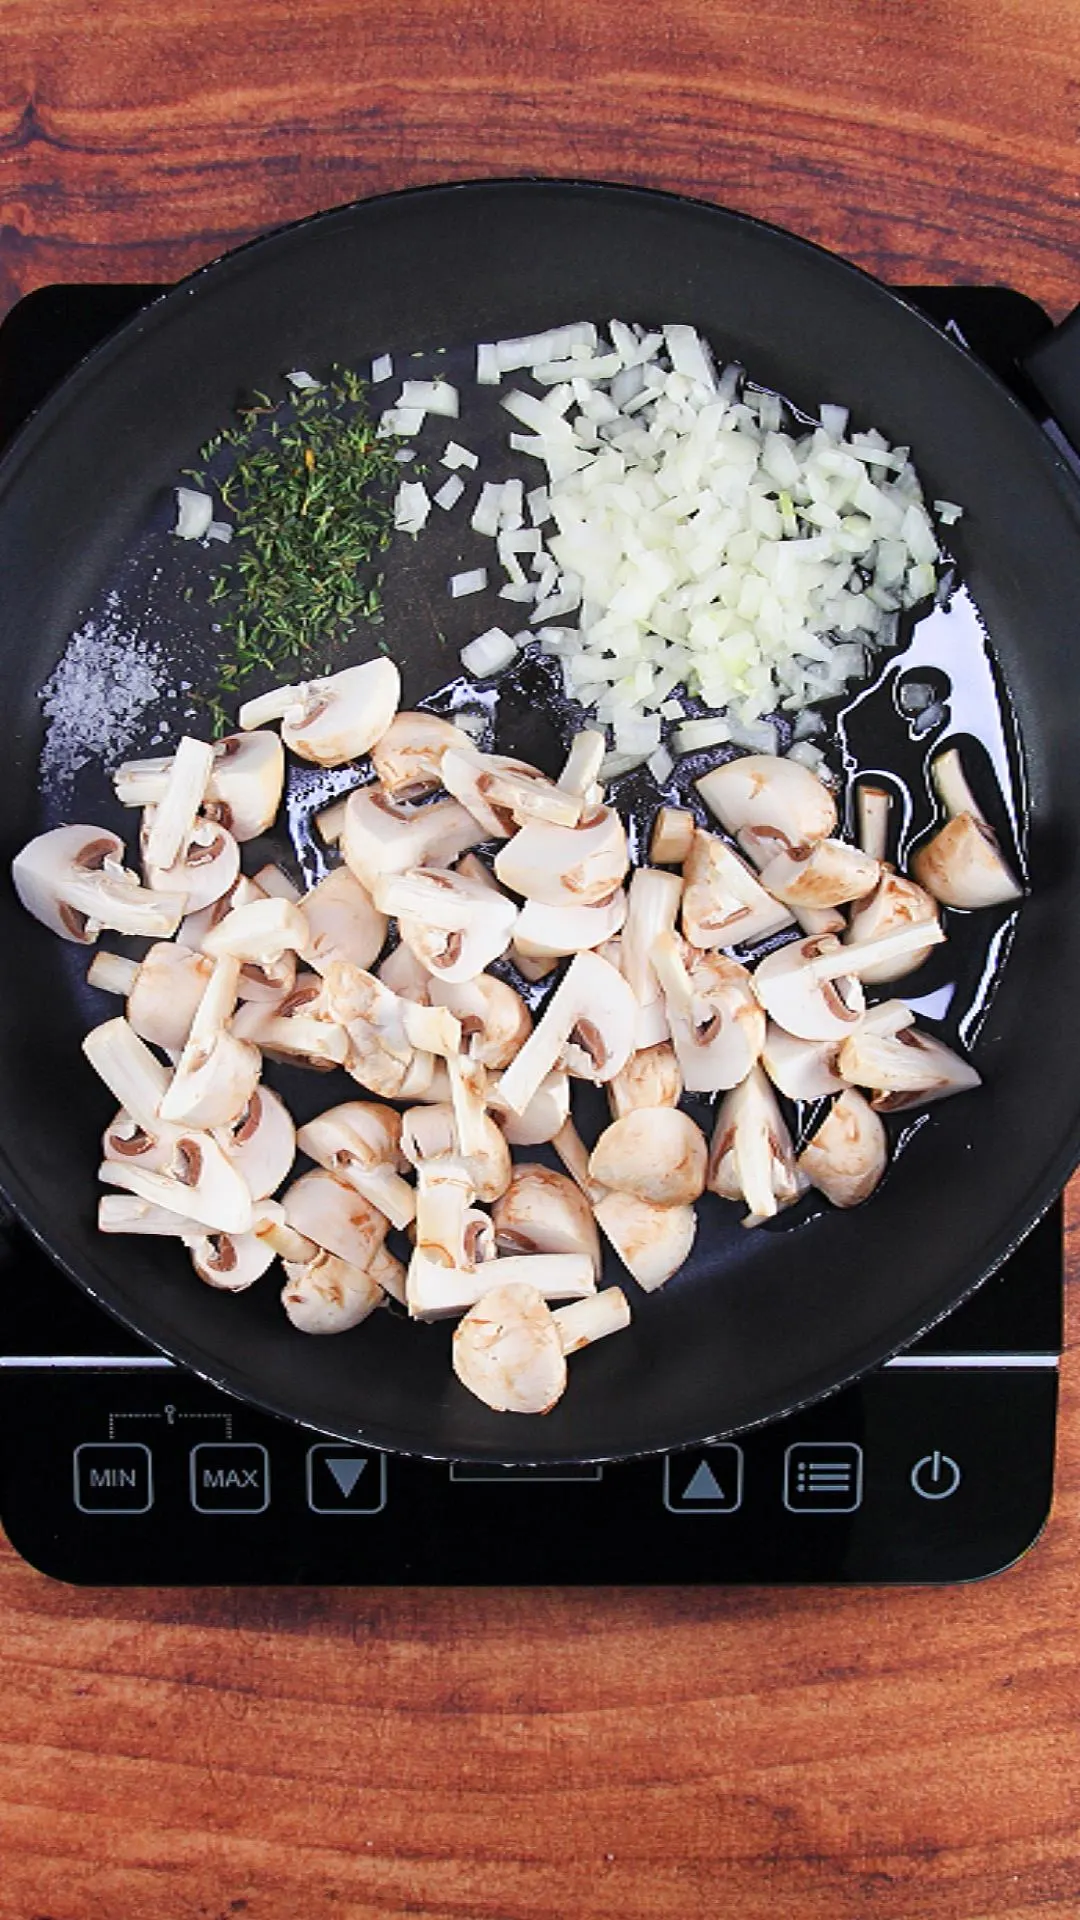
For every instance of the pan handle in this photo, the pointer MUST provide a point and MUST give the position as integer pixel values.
(1054, 368)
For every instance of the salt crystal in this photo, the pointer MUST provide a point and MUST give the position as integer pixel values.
(97, 694)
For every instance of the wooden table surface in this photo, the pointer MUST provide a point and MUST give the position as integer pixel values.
(295, 1755)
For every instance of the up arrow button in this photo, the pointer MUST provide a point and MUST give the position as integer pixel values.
(708, 1482)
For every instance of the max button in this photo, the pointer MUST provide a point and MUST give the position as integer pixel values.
(230, 1476)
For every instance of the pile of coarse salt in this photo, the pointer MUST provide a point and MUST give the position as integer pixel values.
(95, 699)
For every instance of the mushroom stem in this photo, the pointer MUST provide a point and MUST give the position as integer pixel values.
(582, 763)
(952, 786)
(574, 1155)
(873, 806)
(837, 960)
(178, 809)
(112, 973)
(592, 1319)
(270, 706)
(129, 1070)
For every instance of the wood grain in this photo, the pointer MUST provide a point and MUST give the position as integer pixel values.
(623, 1755)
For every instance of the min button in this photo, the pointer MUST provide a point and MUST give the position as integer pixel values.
(114, 1476)
(230, 1476)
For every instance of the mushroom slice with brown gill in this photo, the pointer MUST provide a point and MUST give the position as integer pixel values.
(216, 1073)
(495, 1022)
(408, 757)
(300, 1028)
(827, 874)
(502, 794)
(334, 719)
(73, 879)
(657, 1153)
(242, 792)
(343, 922)
(848, 1154)
(672, 836)
(549, 933)
(360, 1141)
(566, 866)
(762, 792)
(717, 1026)
(380, 1055)
(258, 934)
(811, 987)
(196, 1177)
(162, 990)
(807, 1069)
(262, 1143)
(382, 836)
(325, 1209)
(206, 867)
(546, 1112)
(906, 1069)
(751, 1157)
(650, 1078)
(723, 903)
(545, 1212)
(510, 1349)
(589, 1025)
(229, 1261)
(962, 863)
(455, 926)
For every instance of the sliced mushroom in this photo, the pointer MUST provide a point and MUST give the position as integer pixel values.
(123, 1139)
(407, 976)
(444, 1198)
(361, 1143)
(652, 1242)
(437, 1292)
(807, 1069)
(216, 1073)
(455, 926)
(163, 989)
(502, 794)
(589, 1026)
(382, 836)
(657, 1153)
(723, 904)
(540, 1121)
(206, 867)
(510, 1349)
(672, 837)
(262, 1143)
(408, 757)
(73, 879)
(566, 866)
(962, 863)
(328, 1211)
(751, 1157)
(495, 1022)
(544, 1212)
(380, 1056)
(300, 1028)
(906, 1069)
(334, 719)
(583, 762)
(548, 933)
(777, 796)
(243, 790)
(717, 1026)
(430, 1132)
(172, 820)
(529, 967)
(828, 873)
(894, 903)
(343, 922)
(811, 987)
(258, 933)
(849, 1152)
(194, 927)
(650, 1078)
(229, 1261)
(327, 1295)
(652, 909)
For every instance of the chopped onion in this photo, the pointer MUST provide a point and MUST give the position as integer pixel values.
(489, 653)
(194, 514)
(411, 507)
(455, 455)
(535, 348)
(431, 396)
(485, 514)
(220, 530)
(382, 368)
(487, 365)
(449, 493)
(474, 581)
(304, 382)
(399, 420)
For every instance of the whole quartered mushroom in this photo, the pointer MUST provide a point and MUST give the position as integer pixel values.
(510, 1349)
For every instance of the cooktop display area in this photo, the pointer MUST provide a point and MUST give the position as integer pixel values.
(116, 1466)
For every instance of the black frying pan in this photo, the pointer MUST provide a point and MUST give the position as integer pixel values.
(756, 1323)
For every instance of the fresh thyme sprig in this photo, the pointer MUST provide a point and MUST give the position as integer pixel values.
(309, 496)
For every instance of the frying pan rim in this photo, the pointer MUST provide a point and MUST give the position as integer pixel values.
(158, 312)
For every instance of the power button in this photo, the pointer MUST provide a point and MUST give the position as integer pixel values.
(935, 1476)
